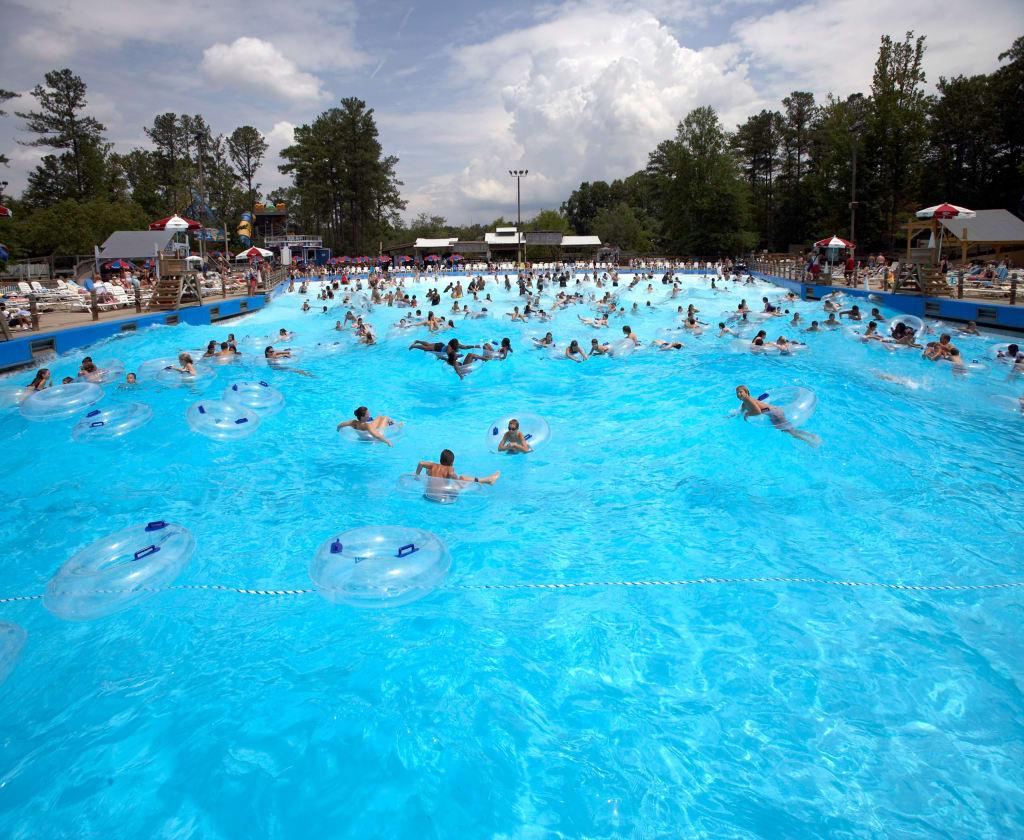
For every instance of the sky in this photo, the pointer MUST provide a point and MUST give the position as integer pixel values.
(462, 92)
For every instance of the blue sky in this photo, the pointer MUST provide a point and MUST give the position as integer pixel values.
(463, 92)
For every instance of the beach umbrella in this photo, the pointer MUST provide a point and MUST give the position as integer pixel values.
(149, 264)
(361, 260)
(404, 259)
(119, 265)
(944, 211)
(174, 223)
(344, 259)
(455, 257)
(253, 253)
(383, 258)
(833, 242)
(432, 258)
(5, 212)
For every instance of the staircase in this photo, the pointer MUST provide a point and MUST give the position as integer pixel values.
(166, 293)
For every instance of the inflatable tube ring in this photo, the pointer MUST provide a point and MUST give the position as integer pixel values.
(151, 367)
(260, 397)
(796, 404)
(535, 430)
(443, 491)
(61, 401)
(107, 371)
(912, 321)
(204, 375)
(12, 395)
(379, 567)
(621, 347)
(118, 571)
(220, 420)
(102, 425)
(391, 431)
(12, 641)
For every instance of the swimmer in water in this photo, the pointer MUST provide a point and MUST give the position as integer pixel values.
(598, 349)
(628, 333)
(513, 440)
(574, 350)
(274, 357)
(723, 330)
(284, 335)
(547, 341)
(41, 380)
(755, 407)
(364, 422)
(187, 365)
(595, 322)
(813, 327)
(444, 469)
(667, 345)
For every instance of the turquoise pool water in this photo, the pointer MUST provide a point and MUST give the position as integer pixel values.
(727, 710)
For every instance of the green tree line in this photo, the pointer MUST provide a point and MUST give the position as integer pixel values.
(83, 190)
(784, 177)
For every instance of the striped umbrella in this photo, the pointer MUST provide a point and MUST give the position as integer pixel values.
(119, 265)
(174, 223)
(5, 212)
(405, 259)
(944, 211)
(432, 258)
(383, 258)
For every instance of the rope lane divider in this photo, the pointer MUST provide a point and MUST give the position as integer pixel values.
(590, 584)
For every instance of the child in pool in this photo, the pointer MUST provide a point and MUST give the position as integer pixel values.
(754, 407)
(513, 440)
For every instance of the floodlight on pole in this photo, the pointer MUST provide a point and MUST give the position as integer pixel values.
(854, 132)
(519, 174)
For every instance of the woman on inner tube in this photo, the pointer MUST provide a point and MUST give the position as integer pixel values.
(753, 407)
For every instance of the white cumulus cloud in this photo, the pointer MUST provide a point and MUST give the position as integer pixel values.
(587, 94)
(256, 66)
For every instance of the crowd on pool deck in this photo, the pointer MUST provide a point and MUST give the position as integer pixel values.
(604, 299)
(827, 267)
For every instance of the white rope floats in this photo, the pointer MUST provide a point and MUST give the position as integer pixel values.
(592, 584)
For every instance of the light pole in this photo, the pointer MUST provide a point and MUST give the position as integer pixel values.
(202, 231)
(854, 131)
(519, 174)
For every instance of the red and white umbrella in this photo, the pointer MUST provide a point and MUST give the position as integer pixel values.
(5, 213)
(833, 242)
(252, 253)
(944, 211)
(174, 223)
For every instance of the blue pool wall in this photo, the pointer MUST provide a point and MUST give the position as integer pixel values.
(992, 315)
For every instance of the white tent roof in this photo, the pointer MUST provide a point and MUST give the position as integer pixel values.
(501, 238)
(580, 241)
(435, 243)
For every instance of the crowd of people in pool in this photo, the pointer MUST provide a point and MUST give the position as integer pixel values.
(605, 299)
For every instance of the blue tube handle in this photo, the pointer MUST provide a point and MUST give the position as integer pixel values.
(96, 423)
(406, 550)
(156, 526)
(145, 552)
(336, 547)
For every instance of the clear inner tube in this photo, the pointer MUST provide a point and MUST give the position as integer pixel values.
(108, 424)
(119, 571)
(220, 420)
(61, 401)
(376, 567)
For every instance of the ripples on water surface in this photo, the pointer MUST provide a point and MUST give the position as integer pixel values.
(724, 711)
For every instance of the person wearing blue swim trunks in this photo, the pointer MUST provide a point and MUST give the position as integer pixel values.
(755, 407)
